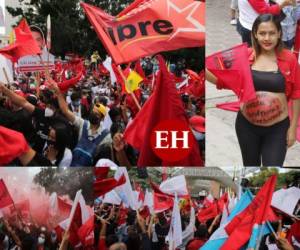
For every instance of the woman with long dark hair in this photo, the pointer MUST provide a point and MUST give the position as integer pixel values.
(56, 149)
(263, 127)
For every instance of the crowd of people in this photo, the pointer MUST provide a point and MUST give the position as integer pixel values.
(75, 115)
(117, 227)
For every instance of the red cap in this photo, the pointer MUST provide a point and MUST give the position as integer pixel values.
(198, 123)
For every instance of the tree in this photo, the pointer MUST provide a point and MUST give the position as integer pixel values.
(67, 181)
(283, 179)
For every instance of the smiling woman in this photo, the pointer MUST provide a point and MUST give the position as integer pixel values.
(263, 127)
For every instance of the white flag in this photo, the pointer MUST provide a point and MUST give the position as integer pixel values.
(125, 191)
(107, 65)
(174, 236)
(112, 197)
(286, 200)
(174, 185)
(149, 201)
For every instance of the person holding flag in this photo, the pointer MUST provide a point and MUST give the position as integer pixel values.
(263, 126)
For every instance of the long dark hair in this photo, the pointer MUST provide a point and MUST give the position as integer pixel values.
(263, 19)
(62, 139)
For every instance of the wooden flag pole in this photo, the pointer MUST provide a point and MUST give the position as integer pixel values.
(131, 93)
(5, 74)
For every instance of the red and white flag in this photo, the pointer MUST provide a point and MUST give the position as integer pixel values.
(149, 27)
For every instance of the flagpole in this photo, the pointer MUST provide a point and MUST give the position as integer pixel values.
(5, 74)
(131, 93)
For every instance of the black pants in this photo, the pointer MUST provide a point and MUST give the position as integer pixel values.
(245, 34)
(266, 145)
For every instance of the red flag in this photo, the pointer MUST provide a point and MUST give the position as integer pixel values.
(223, 201)
(79, 215)
(232, 68)
(64, 208)
(86, 232)
(24, 45)
(22, 207)
(164, 174)
(5, 198)
(147, 29)
(196, 86)
(161, 202)
(65, 85)
(164, 104)
(294, 232)
(12, 145)
(104, 186)
(122, 215)
(138, 69)
(208, 213)
(258, 212)
(101, 172)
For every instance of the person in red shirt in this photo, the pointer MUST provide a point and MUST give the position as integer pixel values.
(263, 127)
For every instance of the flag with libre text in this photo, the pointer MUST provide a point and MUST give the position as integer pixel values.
(148, 27)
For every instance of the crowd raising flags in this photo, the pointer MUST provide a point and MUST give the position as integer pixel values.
(245, 223)
(54, 213)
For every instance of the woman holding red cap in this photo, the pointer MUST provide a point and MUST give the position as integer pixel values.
(263, 127)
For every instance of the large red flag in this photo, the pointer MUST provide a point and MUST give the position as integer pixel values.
(5, 198)
(232, 69)
(12, 145)
(104, 186)
(24, 45)
(164, 104)
(149, 27)
(86, 232)
(257, 213)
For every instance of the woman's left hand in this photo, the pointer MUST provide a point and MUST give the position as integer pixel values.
(291, 136)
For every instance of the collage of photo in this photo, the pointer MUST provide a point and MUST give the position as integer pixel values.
(149, 125)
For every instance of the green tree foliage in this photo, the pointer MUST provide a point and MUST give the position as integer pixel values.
(73, 33)
(283, 179)
(67, 181)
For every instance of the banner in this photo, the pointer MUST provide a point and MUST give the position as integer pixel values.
(35, 64)
(149, 27)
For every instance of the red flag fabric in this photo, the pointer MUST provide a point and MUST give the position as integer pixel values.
(86, 232)
(5, 198)
(232, 69)
(208, 213)
(101, 172)
(64, 208)
(223, 201)
(146, 29)
(12, 145)
(258, 212)
(161, 202)
(164, 174)
(65, 85)
(24, 45)
(294, 232)
(21, 207)
(164, 104)
(104, 186)
(138, 69)
(196, 86)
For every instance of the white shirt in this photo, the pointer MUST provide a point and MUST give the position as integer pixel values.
(247, 14)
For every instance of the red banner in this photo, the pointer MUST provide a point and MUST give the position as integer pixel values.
(5, 198)
(149, 27)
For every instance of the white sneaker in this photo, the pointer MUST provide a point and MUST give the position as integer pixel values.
(233, 22)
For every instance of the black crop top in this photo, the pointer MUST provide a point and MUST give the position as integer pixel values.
(271, 81)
